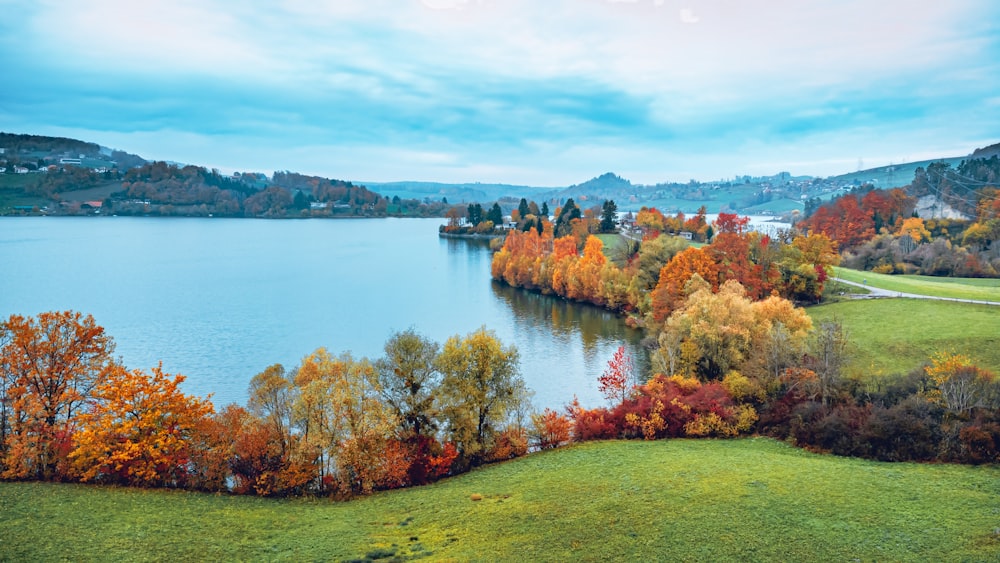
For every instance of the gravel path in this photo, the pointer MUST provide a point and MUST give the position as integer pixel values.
(877, 293)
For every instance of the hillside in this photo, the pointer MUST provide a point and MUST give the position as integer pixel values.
(775, 194)
(457, 193)
(682, 500)
(891, 176)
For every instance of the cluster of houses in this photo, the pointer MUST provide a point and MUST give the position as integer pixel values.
(38, 163)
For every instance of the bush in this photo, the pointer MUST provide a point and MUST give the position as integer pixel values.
(909, 431)
(550, 429)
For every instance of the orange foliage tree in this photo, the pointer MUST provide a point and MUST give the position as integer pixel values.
(49, 366)
(550, 429)
(618, 376)
(668, 294)
(139, 430)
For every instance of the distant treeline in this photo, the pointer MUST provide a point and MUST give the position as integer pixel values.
(878, 230)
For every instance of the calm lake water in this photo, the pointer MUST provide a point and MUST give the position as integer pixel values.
(219, 300)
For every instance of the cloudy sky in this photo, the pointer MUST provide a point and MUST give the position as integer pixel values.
(540, 92)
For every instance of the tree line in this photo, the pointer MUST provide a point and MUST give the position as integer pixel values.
(339, 426)
(332, 425)
(878, 230)
(647, 279)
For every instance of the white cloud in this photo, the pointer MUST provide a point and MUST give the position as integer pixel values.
(688, 16)
(547, 89)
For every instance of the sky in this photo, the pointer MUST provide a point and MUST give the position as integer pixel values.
(535, 92)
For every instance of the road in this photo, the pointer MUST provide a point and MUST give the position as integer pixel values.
(877, 292)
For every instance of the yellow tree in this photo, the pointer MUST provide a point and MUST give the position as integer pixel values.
(718, 328)
(368, 457)
(959, 384)
(344, 424)
(49, 365)
(140, 430)
(779, 339)
(271, 394)
(914, 228)
(481, 387)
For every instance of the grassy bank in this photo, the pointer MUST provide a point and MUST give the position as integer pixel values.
(751, 499)
(979, 289)
(897, 335)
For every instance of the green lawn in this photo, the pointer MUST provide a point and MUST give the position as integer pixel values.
(892, 336)
(12, 193)
(679, 500)
(979, 289)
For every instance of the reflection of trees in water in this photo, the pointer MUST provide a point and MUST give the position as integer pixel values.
(468, 252)
(462, 244)
(567, 320)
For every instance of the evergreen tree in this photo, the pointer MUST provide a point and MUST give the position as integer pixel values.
(475, 214)
(563, 223)
(609, 217)
(495, 215)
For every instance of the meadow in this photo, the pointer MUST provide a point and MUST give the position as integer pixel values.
(751, 499)
(894, 336)
(978, 289)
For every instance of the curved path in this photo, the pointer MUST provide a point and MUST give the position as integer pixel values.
(877, 292)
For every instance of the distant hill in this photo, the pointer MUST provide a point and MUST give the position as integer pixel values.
(775, 194)
(987, 152)
(35, 150)
(472, 192)
(892, 175)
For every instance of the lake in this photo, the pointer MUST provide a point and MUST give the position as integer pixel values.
(219, 300)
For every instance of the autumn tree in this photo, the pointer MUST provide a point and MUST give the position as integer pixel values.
(368, 457)
(481, 388)
(669, 294)
(713, 334)
(50, 365)
(139, 430)
(550, 429)
(618, 377)
(343, 422)
(271, 398)
(651, 222)
(960, 385)
(585, 277)
(828, 355)
(256, 458)
(408, 381)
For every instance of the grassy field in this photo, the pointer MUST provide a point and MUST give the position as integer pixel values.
(979, 289)
(682, 500)
(897, 335)
(12, 191)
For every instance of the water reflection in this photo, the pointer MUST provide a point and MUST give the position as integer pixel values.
(597, 329)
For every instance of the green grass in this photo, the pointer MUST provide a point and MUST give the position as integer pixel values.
(979, 289)
(12, 192)
(680, 500)
(893, 336)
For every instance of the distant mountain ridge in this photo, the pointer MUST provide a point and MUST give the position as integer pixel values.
(775, 194)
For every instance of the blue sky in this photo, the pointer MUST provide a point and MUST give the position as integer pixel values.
(539, 92)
